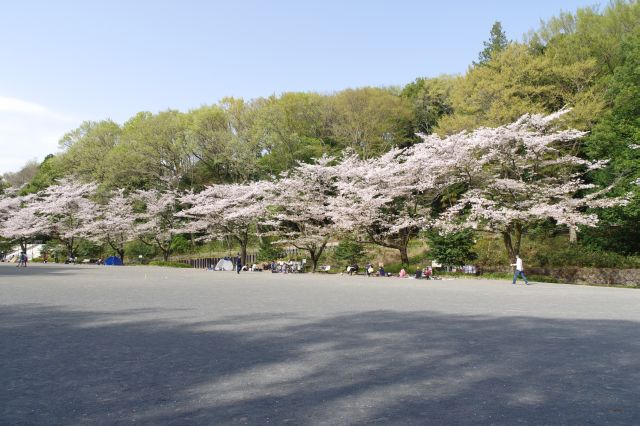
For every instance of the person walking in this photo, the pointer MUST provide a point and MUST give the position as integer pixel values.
(22, 260)
(519, 270)
(238, 264)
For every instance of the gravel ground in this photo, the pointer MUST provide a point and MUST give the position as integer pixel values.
(148, 345)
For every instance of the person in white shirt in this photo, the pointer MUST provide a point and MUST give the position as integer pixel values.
(519, 270)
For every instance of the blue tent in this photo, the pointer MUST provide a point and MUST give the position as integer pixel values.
(113, 261)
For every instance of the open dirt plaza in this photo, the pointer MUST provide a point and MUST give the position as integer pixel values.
(117, 345)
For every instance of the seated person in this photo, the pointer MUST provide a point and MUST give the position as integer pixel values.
(418, 273)
(354, 269)
(402, 273)
(381, 272)
(428, 272)
(369, 269)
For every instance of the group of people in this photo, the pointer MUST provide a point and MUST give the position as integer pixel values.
(285, 267)
(295, 266)
(22, 259)
(427, 272)
(370, 271)
(289, 267)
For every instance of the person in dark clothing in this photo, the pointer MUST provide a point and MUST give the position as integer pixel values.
(354, 269)
(238, 264)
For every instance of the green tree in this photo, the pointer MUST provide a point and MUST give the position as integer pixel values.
(589, 33)
(349, 251)
(497, 43)
(153, 152)
(87, 148)
(431, 99)
(453, 249)
(520, 81)
(269, 252)
(180, 244)
(616, 137)
(291, 128)
(371, 120)
(222, 138)
(137, 248)
(48, 172)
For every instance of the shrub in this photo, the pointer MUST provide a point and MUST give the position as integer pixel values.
(551, 252)
(87, 249)
(179, 244)
(136, 248)
(453, 249)
(269, 252)
(582, 256)
(349, 252)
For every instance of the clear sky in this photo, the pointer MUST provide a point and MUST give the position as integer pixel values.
(62, 62)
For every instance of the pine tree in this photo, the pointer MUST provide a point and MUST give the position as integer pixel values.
(497, 43)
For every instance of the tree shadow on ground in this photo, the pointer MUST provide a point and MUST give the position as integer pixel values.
(67, 367)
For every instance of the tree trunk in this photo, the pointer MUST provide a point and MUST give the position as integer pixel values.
(314, 260)
(166, 251)
(118, 248)
(69, 245)
(243, 250)
(315, 253)
(518, 238)
(404, 256)
(506, 238)
(399, 242)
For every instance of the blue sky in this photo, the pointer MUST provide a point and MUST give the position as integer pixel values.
(64, 62)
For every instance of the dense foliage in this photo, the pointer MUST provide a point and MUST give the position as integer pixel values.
(453, 249)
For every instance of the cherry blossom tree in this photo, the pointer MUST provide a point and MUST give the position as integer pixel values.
(231, 210)
(521, 174)
(113, 223)
(158, 222)
(299, 208)
(9, 203)
(20, 220)
(386, 200)
(67, 208)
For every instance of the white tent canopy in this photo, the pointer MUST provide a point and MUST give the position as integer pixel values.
(224, 265)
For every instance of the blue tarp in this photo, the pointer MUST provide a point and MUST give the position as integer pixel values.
(113, 261)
